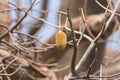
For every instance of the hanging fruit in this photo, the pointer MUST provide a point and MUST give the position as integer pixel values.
(61, 40)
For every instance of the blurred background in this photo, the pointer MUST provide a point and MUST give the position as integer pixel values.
(34, 37)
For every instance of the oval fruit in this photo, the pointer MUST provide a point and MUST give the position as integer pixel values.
(61, 40)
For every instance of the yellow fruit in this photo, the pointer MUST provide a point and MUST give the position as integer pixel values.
(61, 40)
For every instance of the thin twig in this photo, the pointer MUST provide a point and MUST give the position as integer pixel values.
(116, 17)
(87, 52)
(101, 69)
(80, 33)
(8, 65)
(33, 37)
(82, 27)
(36, 18)
(104, 28)
(96, 77)
(77, 32)
(5, 72)
(112, 15)
(105, 7)
(92, 64)
(12, 72)
(4, 26)
(59, 21)
(85, 6)
(19, 21)
(25, 15)
(73, 71)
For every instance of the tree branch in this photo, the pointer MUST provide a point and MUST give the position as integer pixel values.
(73, 71)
